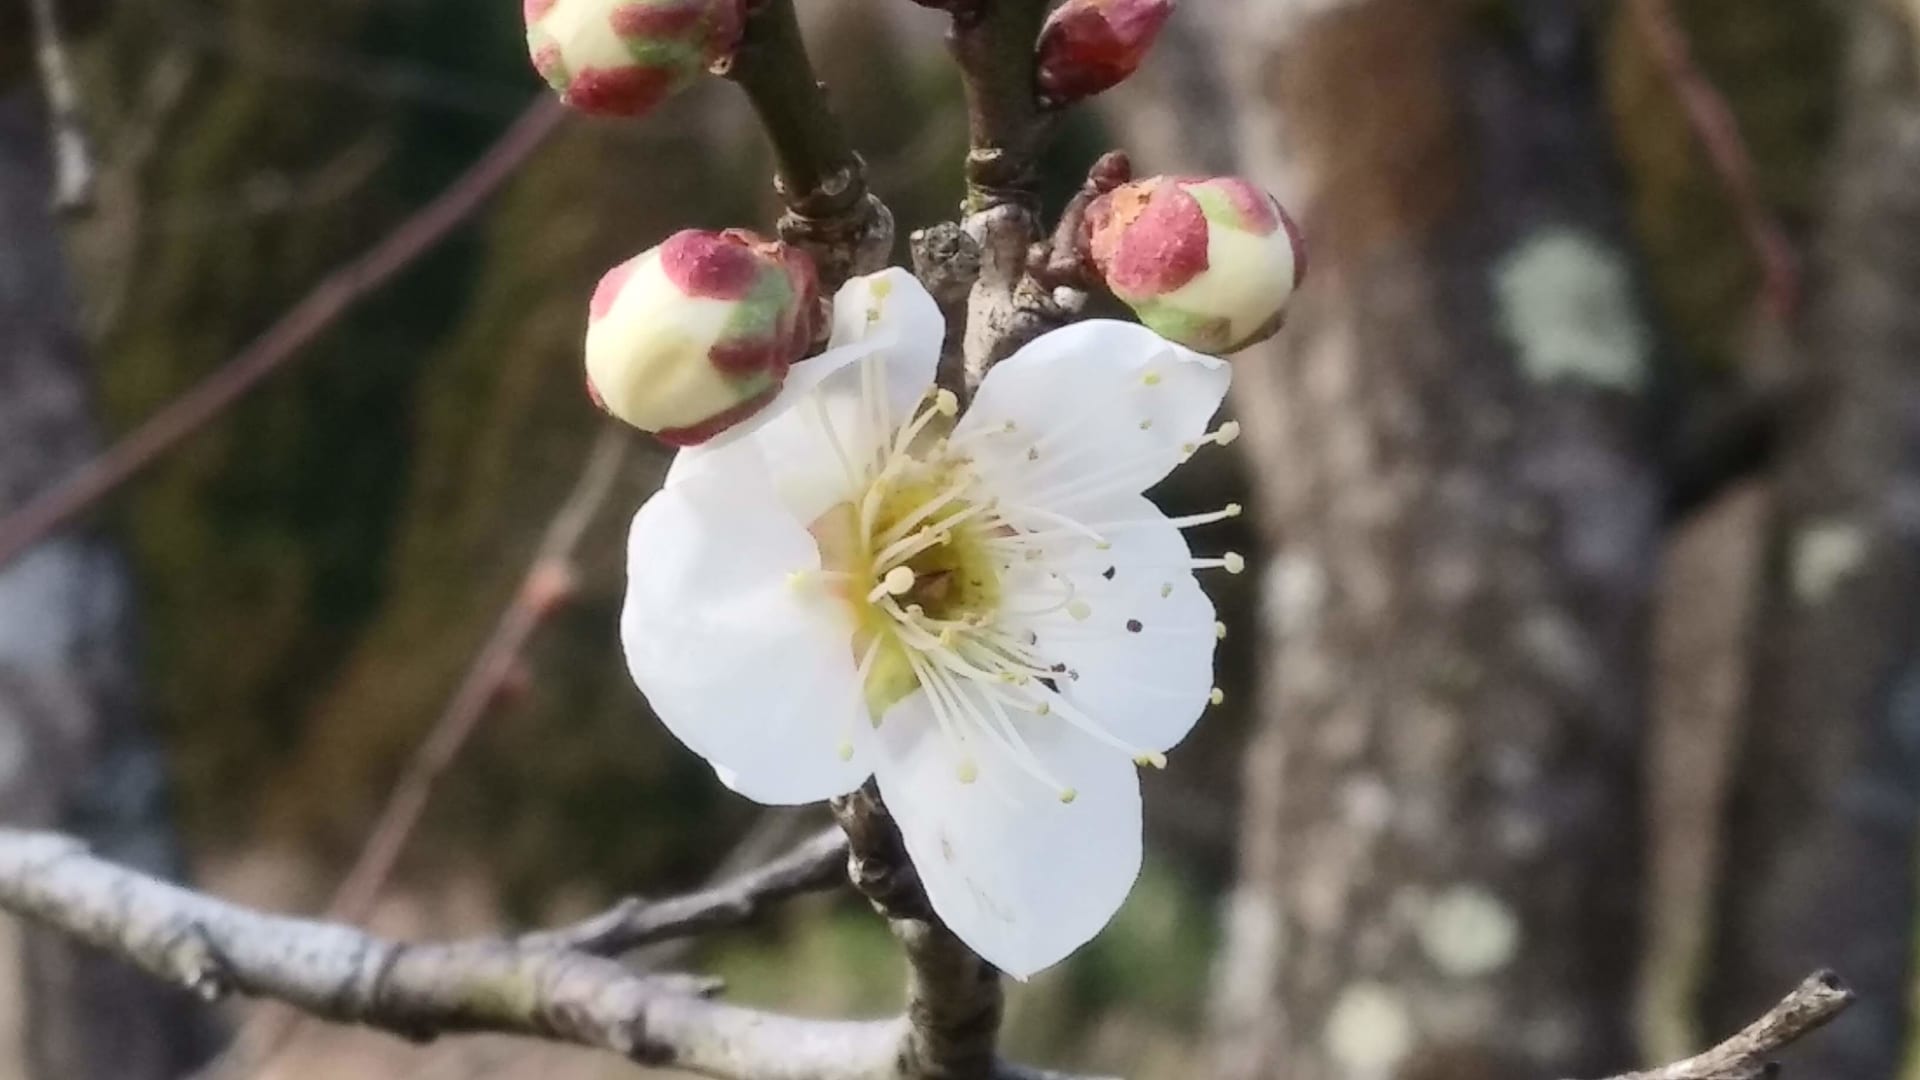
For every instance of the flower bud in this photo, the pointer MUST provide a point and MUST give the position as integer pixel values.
(623, 57)
(694, 336)
(1207, 262)
(1088, 46)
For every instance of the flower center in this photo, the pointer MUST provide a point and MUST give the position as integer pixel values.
(945, 578)
(912, 553)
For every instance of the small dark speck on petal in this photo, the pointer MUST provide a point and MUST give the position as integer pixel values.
(1134, 626)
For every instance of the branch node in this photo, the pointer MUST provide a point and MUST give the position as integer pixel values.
(830, 213)
(198, 963)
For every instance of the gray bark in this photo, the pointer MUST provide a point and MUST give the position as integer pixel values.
(551, 986)
(72, 752)
(1820, 863)
(1441, 845)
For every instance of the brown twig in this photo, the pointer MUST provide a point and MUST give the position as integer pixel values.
(1718, 129)
(1749, 1054)
(421, 992)
(830, 213)
(994, 42)
(271, 351)
(548, 582)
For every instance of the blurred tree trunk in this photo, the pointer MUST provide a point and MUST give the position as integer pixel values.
(1820, 857)
(71, 752)
(1440, 852)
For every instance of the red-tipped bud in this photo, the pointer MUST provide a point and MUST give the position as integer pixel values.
(1207, 262)
(696, 335)
(1089, 46)
(623, 57)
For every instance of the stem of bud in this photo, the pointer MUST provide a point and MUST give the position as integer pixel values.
(830, 213)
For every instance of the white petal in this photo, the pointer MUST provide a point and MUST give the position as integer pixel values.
(828, 418)
(888, 317)
(1095, 407)
(751, 672)
(1021, 877)
(1139, 642)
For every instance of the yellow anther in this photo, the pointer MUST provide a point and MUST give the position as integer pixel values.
(1234, 509)
(1151, 378)
(1166, 590)
(968, 772)
(1236, 563)
(1147, 424)
(1043, 709)
(899, 580)
(1218, 697)
(946, 403)
(1228, 432)
(1151, 761)
(1220, 631)
(846, 751)
(1079, 610)
(1067, 795)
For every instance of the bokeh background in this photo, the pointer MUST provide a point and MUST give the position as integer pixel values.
(1571, 712)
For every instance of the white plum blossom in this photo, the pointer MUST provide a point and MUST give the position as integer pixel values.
(981, 611)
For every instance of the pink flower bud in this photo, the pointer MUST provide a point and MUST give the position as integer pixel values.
(694, 336)
(1207, 262)
(623, 57)
(1088, 46)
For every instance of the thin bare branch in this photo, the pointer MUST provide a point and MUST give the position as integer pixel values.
(1749, 1054)
(816, 865)
(548, 582)
(1718, 130)
(422, 992)
(272, 351)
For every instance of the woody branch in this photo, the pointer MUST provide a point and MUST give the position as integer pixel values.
(558, 987)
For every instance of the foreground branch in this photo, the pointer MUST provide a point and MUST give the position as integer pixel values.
(1749, 1054)
(423, 991)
